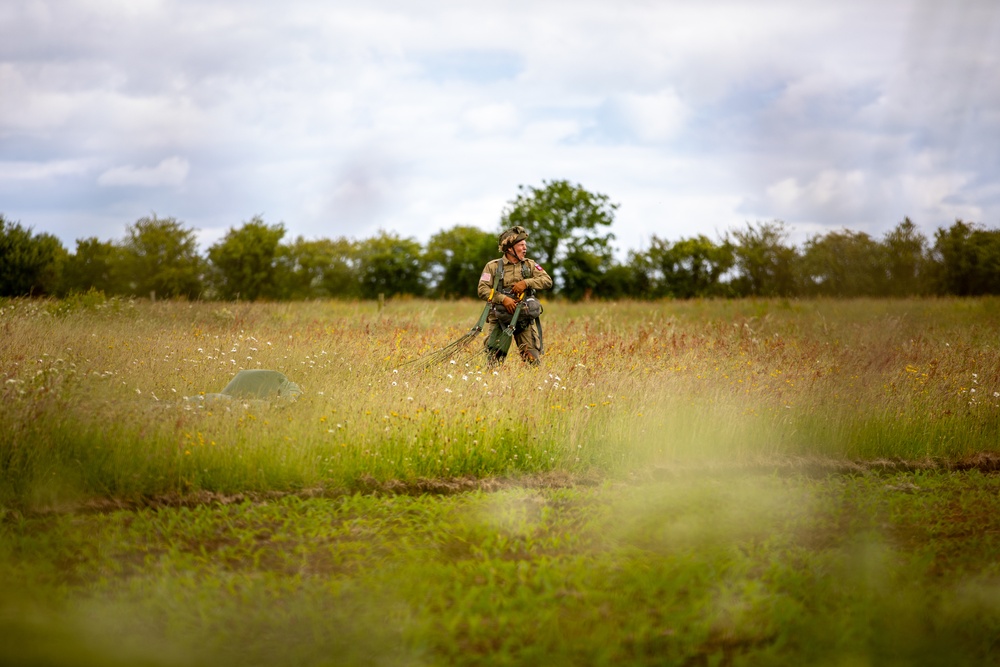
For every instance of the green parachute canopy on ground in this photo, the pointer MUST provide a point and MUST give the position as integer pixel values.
(257, 385)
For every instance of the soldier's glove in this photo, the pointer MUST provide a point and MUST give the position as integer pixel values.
(509, 304)
(519, 287)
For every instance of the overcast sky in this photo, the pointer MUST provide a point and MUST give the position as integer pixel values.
(346, 118)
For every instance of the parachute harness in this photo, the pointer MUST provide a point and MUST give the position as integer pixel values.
(498, 344)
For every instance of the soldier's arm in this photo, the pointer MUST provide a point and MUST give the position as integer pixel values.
(539, 278)
(485, 286)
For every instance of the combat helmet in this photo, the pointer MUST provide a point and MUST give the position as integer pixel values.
(509, 237)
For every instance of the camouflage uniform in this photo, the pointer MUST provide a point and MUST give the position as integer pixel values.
(527, 340)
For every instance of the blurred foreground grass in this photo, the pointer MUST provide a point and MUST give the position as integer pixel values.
(702, 568)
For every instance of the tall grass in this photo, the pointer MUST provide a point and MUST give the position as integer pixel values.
(110, 398)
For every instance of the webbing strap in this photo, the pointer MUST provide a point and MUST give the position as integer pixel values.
(496, 281)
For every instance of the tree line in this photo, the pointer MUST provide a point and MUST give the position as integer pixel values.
(568, 234)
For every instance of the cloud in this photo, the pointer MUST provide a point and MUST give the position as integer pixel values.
(656, 117)
(871, 202)
(43, 171)
(831, 193)
(491, 118)
(170, 171)
(339, 118)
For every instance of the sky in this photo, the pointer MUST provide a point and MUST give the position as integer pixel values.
(342, 118)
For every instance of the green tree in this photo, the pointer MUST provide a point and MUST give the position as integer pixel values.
(641, 275)
(560, 216)
(455, 258)
(160, 258)
(844, 263)
(584, 272)
(390, 265)
(689, 268)
(906, 260)
(244, 262)
(966, 260)
(320, 268)
(764, 265)
(619, 281)
(597, 274)
(94, 265)
(30, 264)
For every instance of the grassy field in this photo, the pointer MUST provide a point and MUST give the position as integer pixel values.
(707, 482)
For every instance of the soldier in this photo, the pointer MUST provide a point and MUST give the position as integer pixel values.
(520, 278)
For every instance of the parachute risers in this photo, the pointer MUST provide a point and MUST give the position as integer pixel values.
(453, 348)
(497, 345)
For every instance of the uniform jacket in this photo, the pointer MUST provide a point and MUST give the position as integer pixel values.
(512, 273)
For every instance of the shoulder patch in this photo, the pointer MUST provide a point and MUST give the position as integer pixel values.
(485, 278)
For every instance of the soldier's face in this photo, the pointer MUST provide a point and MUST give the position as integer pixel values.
(520, 249)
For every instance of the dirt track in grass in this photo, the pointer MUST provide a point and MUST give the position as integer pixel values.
(984, 462)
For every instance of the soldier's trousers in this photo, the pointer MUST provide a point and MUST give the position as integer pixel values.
(527, 341)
